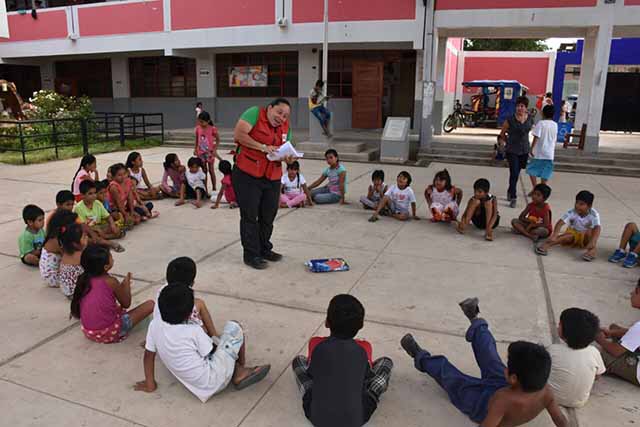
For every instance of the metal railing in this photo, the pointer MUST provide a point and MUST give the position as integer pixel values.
(26, 136)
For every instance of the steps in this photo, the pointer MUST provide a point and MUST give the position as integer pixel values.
(571, 160)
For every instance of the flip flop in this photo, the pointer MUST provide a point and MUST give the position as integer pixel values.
(541, 251)
(588, 257)
(118, 248)
(258, 374)
(373, 219)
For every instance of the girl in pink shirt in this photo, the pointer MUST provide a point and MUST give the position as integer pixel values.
(174, 171)
(206, 148)
(100, 300)
(86, 170)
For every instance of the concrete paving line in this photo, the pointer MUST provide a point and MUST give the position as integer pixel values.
(31, 181)
(614, 195)
(82, 405)
(10, 220)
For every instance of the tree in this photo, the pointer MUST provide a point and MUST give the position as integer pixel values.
(531, 45)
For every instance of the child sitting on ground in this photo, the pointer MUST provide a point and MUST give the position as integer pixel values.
(195, 186)
(509, 395)
(144, 187)
(575, 364)
(182, 271)
(620, 347)
(100, 300)
(31, 239)
(376, 191)
(51, 251)
(534, 221)
(174, 171)
(73, 240)
(203, 367)
(335, 191)
(120, 195)
(443, 198)
(101, 196)
(226, 186)
(397, 200)
(482, 210)
(294, 188)
(64, 201)
(88, 169)
(140, 206)
(631, 237)
(340, 385)
(583, 228)
(92, 213)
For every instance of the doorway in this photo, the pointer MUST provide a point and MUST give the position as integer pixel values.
(368, 90)
(621, 102)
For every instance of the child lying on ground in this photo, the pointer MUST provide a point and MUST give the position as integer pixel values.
(31, 239)
(340, 385)
(630, 237)
(443, 198)
(583, 228)
(376, 191)
(482, 210)
(397, 200)
(534, 221)
(509, 395)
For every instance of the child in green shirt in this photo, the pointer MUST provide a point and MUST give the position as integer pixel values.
(92, 213)
(32, 237)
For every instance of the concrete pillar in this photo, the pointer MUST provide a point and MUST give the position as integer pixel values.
(206, 82)
(430, 47)
(417, 109)
(48, 75)
(308, 73)
(593, 82)
(120, 77)
(438, 101)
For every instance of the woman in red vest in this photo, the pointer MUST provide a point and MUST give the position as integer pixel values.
(256, 179)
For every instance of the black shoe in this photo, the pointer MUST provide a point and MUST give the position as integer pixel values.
(257, 263)
(470, 308)
(410, 345)
(272, 256)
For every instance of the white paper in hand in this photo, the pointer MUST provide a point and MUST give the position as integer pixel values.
(286, 149)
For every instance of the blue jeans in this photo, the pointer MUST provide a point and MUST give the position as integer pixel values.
(469, 394)
(516, 164)
(322, 114)
(324, 196)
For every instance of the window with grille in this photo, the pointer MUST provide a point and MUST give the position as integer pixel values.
(162, 77)
(282, 69)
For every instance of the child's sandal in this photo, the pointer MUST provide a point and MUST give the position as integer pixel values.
(118, 248)
(540, 251)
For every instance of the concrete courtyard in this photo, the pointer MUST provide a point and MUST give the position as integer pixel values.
(409, 276)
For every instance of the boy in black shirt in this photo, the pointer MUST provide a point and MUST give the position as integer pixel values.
(340, 385)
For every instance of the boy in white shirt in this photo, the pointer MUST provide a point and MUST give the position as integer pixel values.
(202, 366)
(195, 186)
(545, 135)
(398, 199)
(583, 228)
(621, 346)
(575, 363)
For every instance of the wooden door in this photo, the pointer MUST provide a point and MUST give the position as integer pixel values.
(366, 108)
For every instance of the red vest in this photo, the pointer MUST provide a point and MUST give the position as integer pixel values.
(254, 162)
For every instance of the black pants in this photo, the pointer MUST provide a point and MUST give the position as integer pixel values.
(258, 199)
(517, 162)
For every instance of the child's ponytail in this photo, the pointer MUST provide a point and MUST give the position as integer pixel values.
(86, 160)
(94, 260)
(70, 238)
(58, 222)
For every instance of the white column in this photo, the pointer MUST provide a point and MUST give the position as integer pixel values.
(120, 77)
(307, 71)
(439, 77)
(430, 47)
(206, 76)
(166, 14)
(48, 75)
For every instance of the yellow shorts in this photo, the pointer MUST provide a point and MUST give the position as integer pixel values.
(579, 238)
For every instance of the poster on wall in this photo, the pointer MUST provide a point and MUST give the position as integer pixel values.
(248, 76)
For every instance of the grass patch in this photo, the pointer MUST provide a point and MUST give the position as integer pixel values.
(49, 154)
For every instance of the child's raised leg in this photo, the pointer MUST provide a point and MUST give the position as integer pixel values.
(472, 206)
(488, 207)
(485, 351)
(521, 228)
(563, 239)
(207, 321)
(629, 230)
(368, 203)
(300, 366)
(141, 312)
(31, 259)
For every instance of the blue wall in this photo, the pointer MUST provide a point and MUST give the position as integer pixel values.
(623, 52)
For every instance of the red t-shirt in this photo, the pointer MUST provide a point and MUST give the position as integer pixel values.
(229, 194)
(366, 346)
(535, 214)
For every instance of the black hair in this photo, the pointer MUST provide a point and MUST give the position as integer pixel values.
(444, 176)
(113, 170)
(205, 117)
(169, 160)
(548, 94)
(295, 166)
(102, 185)
(279, 101)
(70, 236)
(175, 303)
(59, 220)
(345, 316)
(585, 196)
(377, 174)
(543, 189)
(198, 104)
(31, 213)
(87, 185)
(334, 152)
(522, 100)
(548, 111)
(406, 175)
(132, 157)
(64, 196)
(319, 83)
(224, 167)
(194, 161)
(93, 260)
(86, 160)
(530, 363)
(182, 270)
(482, 184)
(579, 327)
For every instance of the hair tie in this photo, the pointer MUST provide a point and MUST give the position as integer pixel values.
(63, 229)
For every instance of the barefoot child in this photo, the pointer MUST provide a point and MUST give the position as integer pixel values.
(174, 171)
(509, 395)
(226, 186)
(100, 225)
(51, 251)
(207, 141)
(443, 198)
(631, 237)
(336, 190)
(86, 170)
(583, 228)
(120, 195)
(73, 241)
(100, 300)
(339, 383)
(535, 220)
(144, 187)
(397, 200)
(205, 368)
(294, 188)
(195, 186)
(31, 239)
(376, 191)
(482, 210)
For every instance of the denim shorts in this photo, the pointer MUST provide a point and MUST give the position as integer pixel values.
(634, 241)
(126, 325)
